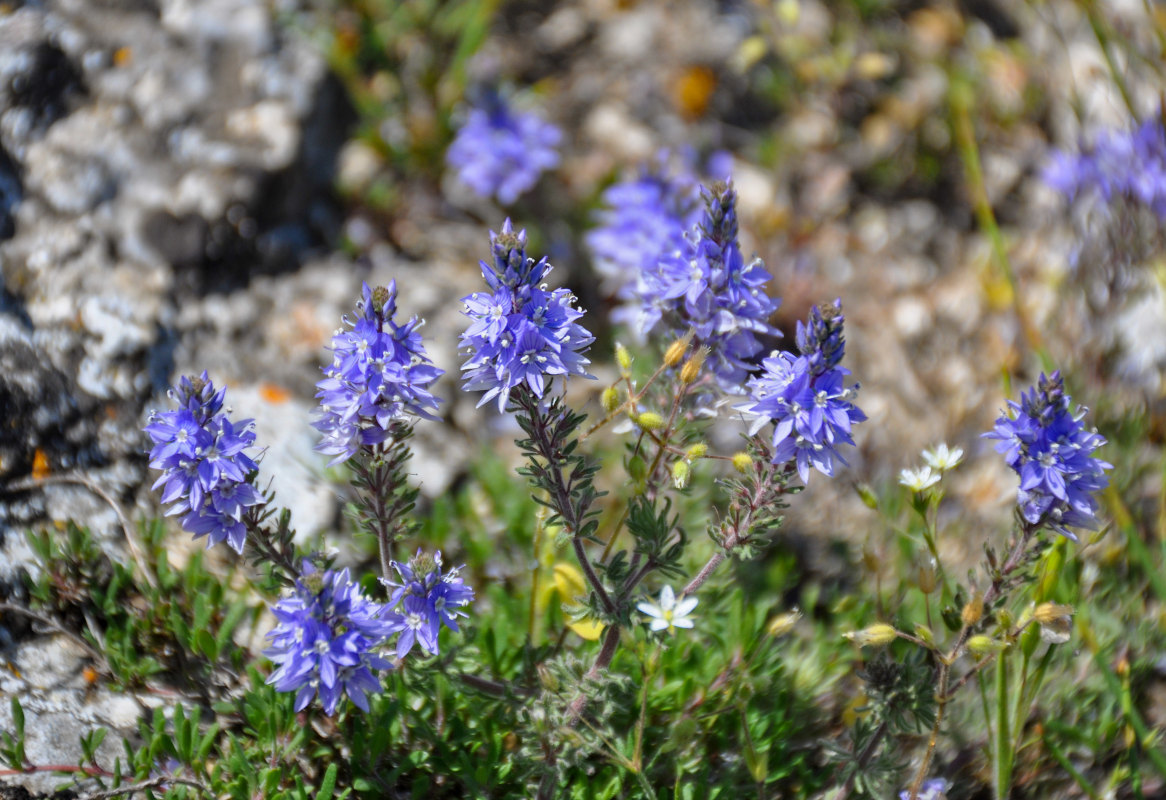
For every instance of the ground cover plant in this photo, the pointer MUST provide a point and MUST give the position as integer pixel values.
(620, 602)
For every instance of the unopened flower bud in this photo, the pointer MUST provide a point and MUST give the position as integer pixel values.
(609, 399)
(867, 496)
(649, 421)
(742, 462)
(783, 623)
(926, 576)
(691, 369)
(924, 633)
(698, 450)
(547, 678)
(876, 635)
(973, 612)
(380, 296)
(623, 358)
(1048, 613)
(680, 474)
(984, 645)
(676, 350)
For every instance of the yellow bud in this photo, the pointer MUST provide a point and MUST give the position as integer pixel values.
(973, 611)
(783, 623)
(609, 399)
(547, 678)
(698, 450)
(680, 474)
(927, 576)
(691, 369)
(649, 421)
(676, 350)
(876, 635)
(1048, 613)
(924, 633)
(623, 358)
(743, 462)
(984, 645)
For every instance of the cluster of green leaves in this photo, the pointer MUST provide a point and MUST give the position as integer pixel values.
(177, 626)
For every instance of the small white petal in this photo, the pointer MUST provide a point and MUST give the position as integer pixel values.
(658, 625)
(684, 622)
(667, 598)
(685, 606)
(650, 609)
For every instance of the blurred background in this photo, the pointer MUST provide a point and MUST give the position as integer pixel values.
(204, 184)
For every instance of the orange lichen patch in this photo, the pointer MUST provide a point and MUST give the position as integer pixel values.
(122, 56)
(693, 89)
(40, 465)
(273, 393)
(90, 675)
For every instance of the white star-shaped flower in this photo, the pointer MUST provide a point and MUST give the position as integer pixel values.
(918, 479)
(943, 459)
(668, 613)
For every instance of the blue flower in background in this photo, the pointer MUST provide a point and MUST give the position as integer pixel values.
(1047, 445)
(521, 333)
(427, 598)
(203, 458)
(707, 287)
(325, 641)
(932, 789)
(642, 219)
(806, 396)
(500, 152)
(1121, 164)
(379, 373)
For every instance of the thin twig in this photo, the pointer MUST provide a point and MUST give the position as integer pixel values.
(153, 783)
(136, 550)
(56, 627)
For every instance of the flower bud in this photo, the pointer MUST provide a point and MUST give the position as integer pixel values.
(742, 462)
(924, 633)
(876, 635)
(867, 496)
(973, 612)
(783, 623)
(680, 474)
(649, 421)
(609, 399)
(1048, 613)
(984, 645)
(623, 358)
(676, 350)
(698, 450)
(691, 369)
(927, 575)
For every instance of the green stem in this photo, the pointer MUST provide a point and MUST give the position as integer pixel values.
(1002, 752)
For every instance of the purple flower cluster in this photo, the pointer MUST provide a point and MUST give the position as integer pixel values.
(500, 152)
(326, 640)
(205, 468)
(425, 599)
(806, 396)
(932, 789)
(1121, 164)
(706, 287)
(643, 219)
(379, 373)
(1049, 447)
(521, 332)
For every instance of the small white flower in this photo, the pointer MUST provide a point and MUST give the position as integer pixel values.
(668, 613)
(918, 479)
(943, 459)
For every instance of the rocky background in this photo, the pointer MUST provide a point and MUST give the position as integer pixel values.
(182, 188)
